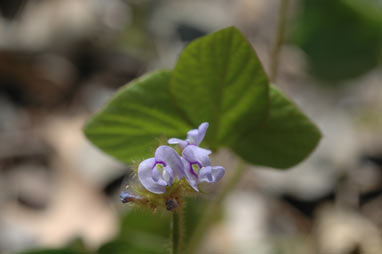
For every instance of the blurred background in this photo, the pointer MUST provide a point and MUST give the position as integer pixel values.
(60, 60)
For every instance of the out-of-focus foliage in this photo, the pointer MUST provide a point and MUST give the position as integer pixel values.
(146, 232)
(193, 211)
(135, 38)
(342, 38)
(120, 247)
(53, 251)
(76, 246)
(141, 232)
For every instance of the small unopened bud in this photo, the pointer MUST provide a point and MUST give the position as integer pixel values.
(171, 204)
(128, 197)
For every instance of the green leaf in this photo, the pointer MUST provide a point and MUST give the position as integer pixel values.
(141, 232)
(340, 41)
(218, 78)
(53, 251)
(284, 140)
(370, 10)
(75, 246)
(141, 220)
(193, 212)
(120, 247)
(134, 120)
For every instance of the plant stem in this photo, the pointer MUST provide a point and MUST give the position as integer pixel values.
(275, 54)
(210, 212)
(177, 231)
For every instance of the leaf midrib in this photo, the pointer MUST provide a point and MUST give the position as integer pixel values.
(221, 85)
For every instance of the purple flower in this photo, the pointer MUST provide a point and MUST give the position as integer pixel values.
(194, 137)
(197, 166)
(157, 173)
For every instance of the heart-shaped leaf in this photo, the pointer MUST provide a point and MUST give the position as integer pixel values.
(285, 139)
(129, 126)
(219, 79)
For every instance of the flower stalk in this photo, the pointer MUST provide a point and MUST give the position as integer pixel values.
(279, 41)
(212, 209)
(177, 231)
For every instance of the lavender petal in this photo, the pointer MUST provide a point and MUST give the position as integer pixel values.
(167, 175)
(211, 174)
(190, 177)
(157, 177)
(176, 141)
(171, 158)
(145, 176)
(197, 154)
(201, 132)
(192, 136)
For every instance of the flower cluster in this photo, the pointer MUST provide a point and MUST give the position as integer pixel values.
(167, 167)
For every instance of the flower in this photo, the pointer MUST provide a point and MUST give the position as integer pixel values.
(194, 137)
(196, 161)
(198, 167)
(157, 173)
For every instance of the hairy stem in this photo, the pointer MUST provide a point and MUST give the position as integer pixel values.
(275, 54)
(211, 211)
(177, 231)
